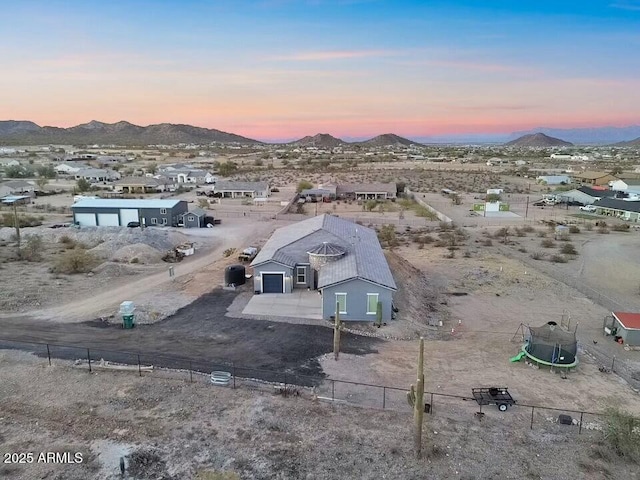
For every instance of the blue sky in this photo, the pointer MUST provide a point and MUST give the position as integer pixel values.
(284, 68)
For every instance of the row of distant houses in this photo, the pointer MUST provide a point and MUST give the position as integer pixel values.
(360, 191)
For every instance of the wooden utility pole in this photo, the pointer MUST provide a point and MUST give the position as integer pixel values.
(336, 333)
(416, 400)
(16, 223)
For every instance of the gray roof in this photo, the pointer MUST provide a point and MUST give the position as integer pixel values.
(197, 211)
(345, 188)
(364, 258)
(615, 204)
(228, 186)
(147, 181)
(18, 184)
(125, 203)
(596, 193)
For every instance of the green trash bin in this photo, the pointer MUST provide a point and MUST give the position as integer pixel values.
(127, 321)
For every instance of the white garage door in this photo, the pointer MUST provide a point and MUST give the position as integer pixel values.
(108, 220)
(86, 219)
(128, 215)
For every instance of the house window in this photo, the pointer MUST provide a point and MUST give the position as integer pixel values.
(154, 221)
(164, 221)
(372, 303)
(341, 300)
(301, 275)
(163, 211)
(192, 218)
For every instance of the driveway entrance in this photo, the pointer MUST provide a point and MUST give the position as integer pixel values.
(300, 304)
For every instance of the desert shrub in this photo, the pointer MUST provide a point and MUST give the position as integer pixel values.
(444, 226)
(135, 260)
(67, 241)
(574, 229)
(32, 249)
(547, 243)
(558, 259)
(487, 243)
(427, 239)
(568, 249)
(603, 229)
(522, 250)
(621, 227)
(622, 434)
(76, 260)
(528, 229)
(541, 233)
(520, 232)
(537, 255)
(589, 227)
(8, 220)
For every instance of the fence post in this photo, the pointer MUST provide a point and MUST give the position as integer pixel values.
(89, 358)
(613, 362)
(384, 397)
(190, 372)
(48, 354)
(431, 407)
(532, 410)
(233, 370)
(333, 390)
(139, 367)
(285, 381)
(580, 427)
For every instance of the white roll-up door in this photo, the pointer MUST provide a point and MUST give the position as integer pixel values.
(86, 219)
(108, 220)
(128, 215)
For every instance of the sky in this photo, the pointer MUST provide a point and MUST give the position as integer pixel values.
(282, 69)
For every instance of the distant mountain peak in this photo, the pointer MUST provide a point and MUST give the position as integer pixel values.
(388, 140)
(322, 140)
(538, 140)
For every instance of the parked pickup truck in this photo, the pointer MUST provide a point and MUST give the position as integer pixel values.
(588, 208)
(248, 254)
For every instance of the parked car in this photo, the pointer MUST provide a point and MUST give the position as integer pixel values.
(588, 208)
(133, 224)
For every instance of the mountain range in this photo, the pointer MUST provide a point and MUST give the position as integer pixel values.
(596, 135)
(538, 140)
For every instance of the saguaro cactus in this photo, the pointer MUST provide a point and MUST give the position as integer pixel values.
(415, 396)
(336, 333)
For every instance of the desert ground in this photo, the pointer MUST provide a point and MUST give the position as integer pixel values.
(468, 298)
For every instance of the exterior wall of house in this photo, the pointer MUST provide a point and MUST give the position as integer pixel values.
(192, 221)
(356, 291)
(272, 267)
(308, 275)
(630, 336)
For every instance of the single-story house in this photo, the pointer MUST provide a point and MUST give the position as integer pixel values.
(367, 191)
(341, 259)
(120, 212)
(16, 199)
(628, 185)
(194, 218)
(317, 194)
(141, 184)
(18, 187)
(105, 160)
(554, 179)
(627, 326)
(70, 168)
(230, 189)
(622, 209)
(188, 175)
(95, 175)
(586, 195)
(594, 178)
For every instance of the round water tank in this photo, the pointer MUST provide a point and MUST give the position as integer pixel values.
(234, 274)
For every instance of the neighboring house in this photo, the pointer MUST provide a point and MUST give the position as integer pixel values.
(19, 187)
(70, 168)
(181, 174)
(16, 199)
(594, 178)
(341, 259)
(367, 191)
(119, 212)
(628, 185)
(95, 175)
(228, 189)
(105, 161)
(316, 194)
(9, 162)
(141, 185)
(194, 218)
(622, 209)
(586, 195)
(554, 179)
(627, 326)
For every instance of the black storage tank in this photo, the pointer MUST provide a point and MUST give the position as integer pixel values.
(234, 274)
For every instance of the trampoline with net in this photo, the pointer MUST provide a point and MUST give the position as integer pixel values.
(551, 345)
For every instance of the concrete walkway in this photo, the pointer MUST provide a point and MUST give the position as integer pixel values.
(300, 304)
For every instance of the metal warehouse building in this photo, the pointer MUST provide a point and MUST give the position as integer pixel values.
(91, 212)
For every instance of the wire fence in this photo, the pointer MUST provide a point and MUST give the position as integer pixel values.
(290, 383)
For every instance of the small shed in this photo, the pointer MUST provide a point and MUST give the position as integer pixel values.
(628, 327)
(194, 218)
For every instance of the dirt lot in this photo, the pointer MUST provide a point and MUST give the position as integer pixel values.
(171, 429)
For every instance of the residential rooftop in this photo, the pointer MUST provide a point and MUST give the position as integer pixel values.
(125, 203)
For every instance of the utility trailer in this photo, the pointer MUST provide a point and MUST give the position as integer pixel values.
(248, 254)
(499, 396)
